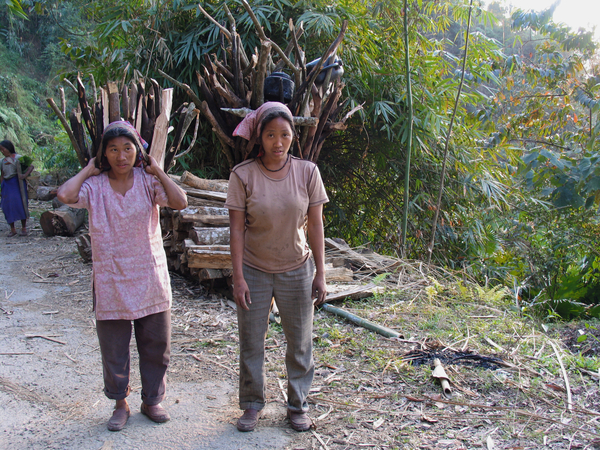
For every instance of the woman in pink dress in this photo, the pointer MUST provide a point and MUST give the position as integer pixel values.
(122, 189)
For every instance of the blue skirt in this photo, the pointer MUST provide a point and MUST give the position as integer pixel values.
(11, 203)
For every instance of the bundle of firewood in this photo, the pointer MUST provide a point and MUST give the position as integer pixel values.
(234, 85)
(197, 238)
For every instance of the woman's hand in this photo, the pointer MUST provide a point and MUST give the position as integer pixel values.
(241, 294)
(69, 192)
(319, 288)
(153, 167)
(91, 170)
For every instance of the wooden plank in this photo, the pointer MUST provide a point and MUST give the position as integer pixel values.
(354, 293)
(210, 235)
(114, 111)
(338, 274)
(105, 100)
(209, 274)
(211, 195)
(208, 259)
(161, 128)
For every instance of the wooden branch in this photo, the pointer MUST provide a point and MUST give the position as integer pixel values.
(183, 86)
(201, 183)
(125, 102)
(331, 103)
(308, 134)
(99, 114)
(71, 85)
(86, 114)
(292, 45)
(114, 113)
(158, 98)
(263, 38)
(216, 127)
(193, 141)
(224, 30)
(133, 102)
(79, 133)
(161, 128)
(63, 101)
(307, 84)
(105, 107)
(228, 95)
(65, 124)
(94, 89)
(223, 70)
(186, 116)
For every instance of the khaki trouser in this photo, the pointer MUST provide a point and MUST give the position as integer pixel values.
(153, 338)
(292, 292)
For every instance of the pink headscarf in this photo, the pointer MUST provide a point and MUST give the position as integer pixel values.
(250, 127)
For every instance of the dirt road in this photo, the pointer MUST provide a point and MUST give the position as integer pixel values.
(50, 370)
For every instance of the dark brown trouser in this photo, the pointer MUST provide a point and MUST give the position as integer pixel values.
(153, 338)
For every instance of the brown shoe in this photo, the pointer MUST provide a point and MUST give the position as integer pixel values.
(155, 413)
(119, 419)
(299, 420)
(249, 420)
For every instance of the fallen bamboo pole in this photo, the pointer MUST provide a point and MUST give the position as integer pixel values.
(384, 331)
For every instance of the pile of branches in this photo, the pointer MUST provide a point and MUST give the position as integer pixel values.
(146, 107)
(234, 85)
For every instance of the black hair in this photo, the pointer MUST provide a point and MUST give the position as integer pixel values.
(274, 115)
(257, 151)
(111, 133)
(8, 146)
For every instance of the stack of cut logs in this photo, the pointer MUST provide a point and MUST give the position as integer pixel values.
(196, 239)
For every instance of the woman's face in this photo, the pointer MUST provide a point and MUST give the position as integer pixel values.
(4, 151)
(121, 154)
(276, 138)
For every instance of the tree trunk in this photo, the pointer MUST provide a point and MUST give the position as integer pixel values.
(46, 193)
(201, 183)
(63, 221)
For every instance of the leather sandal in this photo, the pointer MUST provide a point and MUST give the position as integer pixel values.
(299, 420)
(249, 420)
(155, 413)
(119, 419)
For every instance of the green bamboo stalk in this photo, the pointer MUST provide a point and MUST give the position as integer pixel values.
(384, 331)
(409, 104)
(445, 159)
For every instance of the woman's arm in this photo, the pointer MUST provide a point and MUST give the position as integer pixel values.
(69, 191)
(27, 172)
(237, 240)
(316, 238)
(177, 196)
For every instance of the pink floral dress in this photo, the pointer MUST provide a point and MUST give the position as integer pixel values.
(130, 278)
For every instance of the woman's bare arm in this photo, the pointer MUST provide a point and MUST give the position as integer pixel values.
(69, 191)
(237, 240)
(316, 238)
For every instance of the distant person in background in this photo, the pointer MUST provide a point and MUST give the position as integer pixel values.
(14, 188)
(274, 200)
(122, 189)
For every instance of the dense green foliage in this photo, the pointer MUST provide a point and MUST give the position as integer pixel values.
(523, 185)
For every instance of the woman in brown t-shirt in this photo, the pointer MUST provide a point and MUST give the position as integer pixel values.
(274, 201)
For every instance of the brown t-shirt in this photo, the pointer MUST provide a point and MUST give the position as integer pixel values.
(276, 212)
